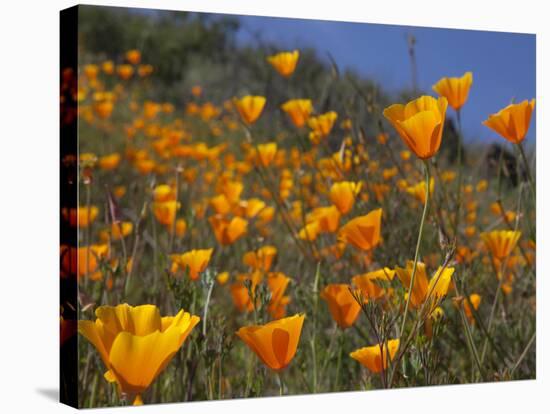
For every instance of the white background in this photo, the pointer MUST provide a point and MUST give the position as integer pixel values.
(29, 194)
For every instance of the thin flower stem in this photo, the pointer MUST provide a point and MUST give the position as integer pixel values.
(418, 243)
(493, 308)
(281, 384)
(523, 354)
(314, 336)
(459, 179)
(206, 303)
(528, 172)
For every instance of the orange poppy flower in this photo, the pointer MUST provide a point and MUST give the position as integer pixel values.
(125, 72)
(342, 195)
(266, 153)
(375, 357)
(501, 242)
(327, 218)
(276, 342)
(310, 231)
(456, 90)
(133, 56)
(434, 289)
(512, 122)
(109, 162)
(277, 284)
(249, 208)
(75, 260)
(250, 107)
(165, 212)
(195, 260)
(322, 124)
(419, 124)
(363, 232)
(476, 300)
(261, 259)
(136, 343)
(298, 110)
(418, 191)
(342, 304)
(81, 216)
(103, 109)
(284, 62)
(227, 231)
(121, 229)
(368, 284)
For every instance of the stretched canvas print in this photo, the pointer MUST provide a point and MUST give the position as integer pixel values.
(256, 206)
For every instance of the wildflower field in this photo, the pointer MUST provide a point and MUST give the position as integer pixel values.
(258, 222)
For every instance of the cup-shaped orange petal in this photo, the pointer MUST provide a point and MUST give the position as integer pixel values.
(512, 122)
(266, 153)
(298, 110)
(196, 261)
(501, 242)
(136, 343)
(419, 123)
(250, 107)
(322, 124)
(328, 218)
(375, 357)
(456, 90)
(284, 62)
(227, 231)
(363, 232)
(342, 304)
(276, 342)
(342, 195)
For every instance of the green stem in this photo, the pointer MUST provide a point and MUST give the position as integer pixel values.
(459, 179)
(313, 338)
(418, 243)
(281, 384)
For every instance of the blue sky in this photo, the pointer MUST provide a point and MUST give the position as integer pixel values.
(503, 64)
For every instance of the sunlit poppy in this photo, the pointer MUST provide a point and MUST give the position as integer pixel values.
(125, 72)
(418, 191)
(363, 232)
(121, 229)
(136, 343)
(109, 162)
(456, 90)
(322, 124)
(276, 342)
(81, 216)
(195, 261)
(250, 107)
(343, 194)
(266, 153)
(277, 283)
(260, 259)
(434, 289)
(419, 123)
(298, 110)
(133, 56)
(512, 122)
(342, 304)
(328, 218)
(369, 283)
(165, 212)
(284, 62)
(227, 231)
(501, 242)
(375, 357)
(475, 299)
